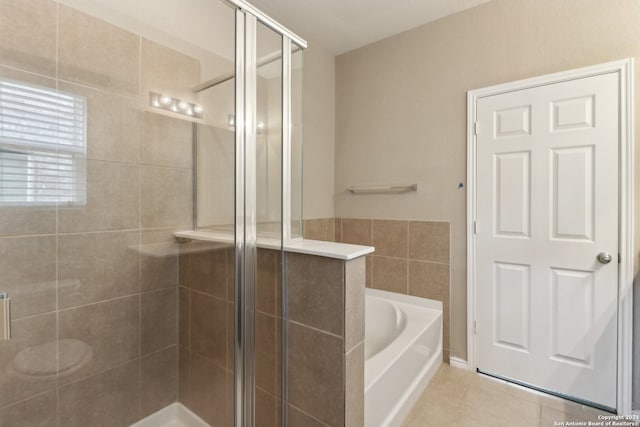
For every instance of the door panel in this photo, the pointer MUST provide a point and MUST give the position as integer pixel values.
(547, 204)
(572, 193)
(512, 194)
(512, 318)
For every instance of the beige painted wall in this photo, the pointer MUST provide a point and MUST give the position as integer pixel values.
(401, 103)
(318, 109)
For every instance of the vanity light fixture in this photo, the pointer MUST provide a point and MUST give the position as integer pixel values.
(175, 105)
(231, 122)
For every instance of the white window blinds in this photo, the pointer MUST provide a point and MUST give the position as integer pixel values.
(42, 146)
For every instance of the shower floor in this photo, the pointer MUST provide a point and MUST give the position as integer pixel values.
(174, 415)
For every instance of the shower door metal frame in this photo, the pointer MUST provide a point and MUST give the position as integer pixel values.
(245, 238)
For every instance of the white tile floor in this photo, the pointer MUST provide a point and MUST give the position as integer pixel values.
(456, 397)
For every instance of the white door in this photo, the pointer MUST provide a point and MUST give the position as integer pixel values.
(547, 206)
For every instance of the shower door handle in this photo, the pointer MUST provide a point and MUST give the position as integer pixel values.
(604, 257)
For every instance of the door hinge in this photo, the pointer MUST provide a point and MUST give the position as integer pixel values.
(475, 227)
(475, 128)
(475, 326)
(619, 258)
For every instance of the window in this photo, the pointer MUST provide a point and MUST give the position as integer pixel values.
(42, 146)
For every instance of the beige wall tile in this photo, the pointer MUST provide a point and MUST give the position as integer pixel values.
(25, 220)
(159, 311)
(265, 409)
(113, 124)
(110, 329)
(184, 308)
(159, 259)
(231, 273)
(266, 352)
(315, 229)
(338, 230)
(168, 72)
(389, 274)
(279, 283)
(113, 200)
(166, 141)
(208, 390)
(28, 33)
(432, 280)
(331, 230)
(315, 381)
(28, 266)
(279, 359)
(97, 54)
(354, 387)
(390, 238)
(368, 270)
(208, 327)
(208, 272)
(229, 401)
(166, 197)
(111, 398)
(28, 360)
(97, 266)
(356, 231)
(354, 304)
(316, 292)
(230, 335)
(298, 418)
(184, 377)
(184, 267)
(429, 280)
(39, 411)
(158, 380)
(446, 329)
(266, 282)
(429, 241)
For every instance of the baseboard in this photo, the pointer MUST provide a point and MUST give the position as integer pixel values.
(456, 362)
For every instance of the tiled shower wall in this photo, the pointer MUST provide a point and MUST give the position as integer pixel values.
(94, 287)
(411, 257)
(206, 333)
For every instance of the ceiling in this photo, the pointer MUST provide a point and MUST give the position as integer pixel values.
(343, 25)
(197, 26)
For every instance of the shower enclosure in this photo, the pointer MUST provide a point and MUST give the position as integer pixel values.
(126, 130)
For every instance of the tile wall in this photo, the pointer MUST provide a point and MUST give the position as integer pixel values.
(94, 287)
(325, 341)
(206, 333)
(325, 345)
(411, 257)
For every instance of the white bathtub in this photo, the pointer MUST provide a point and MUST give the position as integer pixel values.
(403, 350)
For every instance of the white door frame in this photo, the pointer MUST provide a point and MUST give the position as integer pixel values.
(624, 69)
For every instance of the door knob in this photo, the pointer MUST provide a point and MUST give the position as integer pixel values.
(604, 257)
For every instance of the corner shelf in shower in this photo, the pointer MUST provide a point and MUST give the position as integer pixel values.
(342, 251)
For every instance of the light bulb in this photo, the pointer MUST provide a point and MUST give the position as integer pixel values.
(189, 112)
(165, 100)
(197, 108)
(182, 105)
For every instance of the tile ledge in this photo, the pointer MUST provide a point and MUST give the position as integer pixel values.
(335, 250)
